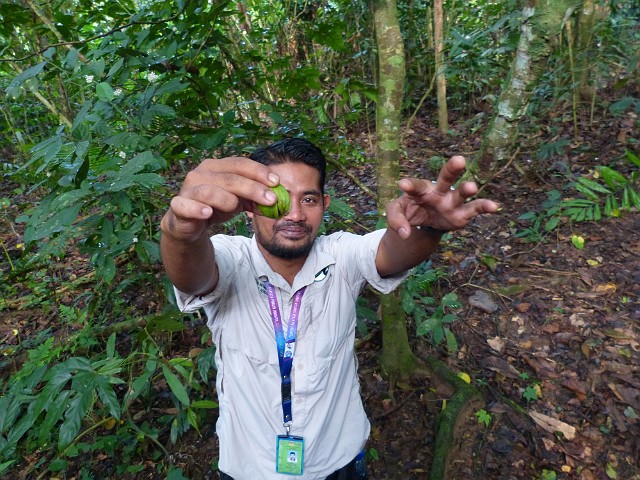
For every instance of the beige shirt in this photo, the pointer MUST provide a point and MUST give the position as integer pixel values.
(326, 404)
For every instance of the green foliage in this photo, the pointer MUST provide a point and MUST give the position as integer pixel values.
(530, 393)
(81, 405)
(548, 475)
(607, 194)
(483, 417)
(431, 318)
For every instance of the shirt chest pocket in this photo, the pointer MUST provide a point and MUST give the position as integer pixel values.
(248, 347)
(331, 327)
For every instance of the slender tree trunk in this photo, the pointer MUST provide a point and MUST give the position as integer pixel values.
(542, 22)
(591, 13)
(441, 78)
(391, 77)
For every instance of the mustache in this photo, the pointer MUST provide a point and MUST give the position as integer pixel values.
(281, 226)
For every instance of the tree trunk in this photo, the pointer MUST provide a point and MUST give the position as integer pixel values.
(441, 79)
(542, 22)
(391, 77)
(591, 13)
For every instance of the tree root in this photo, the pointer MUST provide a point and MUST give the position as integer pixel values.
(465, 399)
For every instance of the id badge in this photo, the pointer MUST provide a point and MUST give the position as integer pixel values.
(289, 454)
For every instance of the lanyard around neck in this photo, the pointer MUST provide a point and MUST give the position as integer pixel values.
(286, 345)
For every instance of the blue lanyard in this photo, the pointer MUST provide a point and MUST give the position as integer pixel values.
(286, 345)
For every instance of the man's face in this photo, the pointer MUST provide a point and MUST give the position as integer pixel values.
(292, 236)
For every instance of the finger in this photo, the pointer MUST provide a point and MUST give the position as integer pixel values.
(397, 220)
(414, 186)
(241, 177)
(450, 173)
(243, 166)
(204, 202)
(466, 190)
(186, 208)
(482, 206)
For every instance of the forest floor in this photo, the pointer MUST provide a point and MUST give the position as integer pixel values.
(549, 333)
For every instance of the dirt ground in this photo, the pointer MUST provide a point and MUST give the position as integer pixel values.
(549, 333)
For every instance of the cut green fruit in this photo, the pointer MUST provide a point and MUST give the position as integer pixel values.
(282, 205)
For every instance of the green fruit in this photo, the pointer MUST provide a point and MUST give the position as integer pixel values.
(282, 205)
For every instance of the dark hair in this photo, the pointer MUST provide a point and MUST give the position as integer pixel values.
(293, 150)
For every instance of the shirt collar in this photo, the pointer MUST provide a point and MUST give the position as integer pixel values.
(313, 267)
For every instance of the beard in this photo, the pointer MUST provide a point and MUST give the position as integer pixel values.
(286, 252)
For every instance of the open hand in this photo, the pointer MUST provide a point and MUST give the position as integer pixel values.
(437, 205)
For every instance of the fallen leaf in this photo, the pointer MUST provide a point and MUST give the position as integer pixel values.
(610, 332)
(606, 288)
(585, 276)
(483, 301)
(616, 417)
(543, 367)
(501, 366)
(553, 425)
(576, 387)
(497, 344)
(523, 307)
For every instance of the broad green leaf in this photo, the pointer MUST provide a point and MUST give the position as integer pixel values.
(593, 185)
(449, 318)
(587, 192)
(53, 416)
(104, 91)
(633, 158)
(341, 209)
(108, 396)
(168, 322)
(78, 408)
(552, 224)
(408, 303)
(452, 343)
(206, 362)
(428, 326)
(138, 386)
(193, 419)
(205, 404)
(176, 386)
(451, 300)
(111, 346)
(611, 177)
(24, 76)
(57, 465)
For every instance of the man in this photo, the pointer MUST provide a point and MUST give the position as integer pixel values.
(288, 290)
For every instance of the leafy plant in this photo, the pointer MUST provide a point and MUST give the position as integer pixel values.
(56, 407)
(436, 326)
(483, 417)
(548, 474)
(608, 193)
(418, 301)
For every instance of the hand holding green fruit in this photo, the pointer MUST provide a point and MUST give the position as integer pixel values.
(282, 205)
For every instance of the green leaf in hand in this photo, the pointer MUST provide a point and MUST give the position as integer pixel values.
(282, 205)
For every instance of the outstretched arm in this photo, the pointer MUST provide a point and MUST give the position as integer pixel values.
(212, 193)
(427, 204)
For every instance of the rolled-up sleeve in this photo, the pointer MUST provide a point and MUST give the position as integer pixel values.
(361, 251)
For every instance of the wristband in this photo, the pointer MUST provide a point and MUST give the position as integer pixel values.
(431, 230)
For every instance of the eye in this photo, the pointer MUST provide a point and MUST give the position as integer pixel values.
(309, 201)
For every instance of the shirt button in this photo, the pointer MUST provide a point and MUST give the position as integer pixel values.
(300, 366)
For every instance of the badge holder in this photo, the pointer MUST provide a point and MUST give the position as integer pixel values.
(289, 454)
